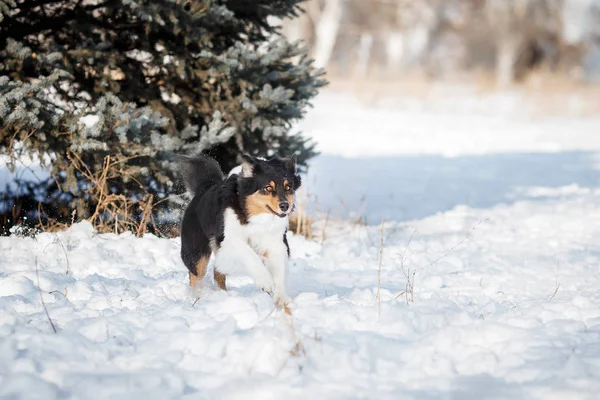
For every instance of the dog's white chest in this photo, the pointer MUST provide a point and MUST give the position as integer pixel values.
(265, 231)
(262, 231)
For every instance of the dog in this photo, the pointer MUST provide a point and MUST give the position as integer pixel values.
(243, 219)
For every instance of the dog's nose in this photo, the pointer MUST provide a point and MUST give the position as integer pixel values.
(284, 206)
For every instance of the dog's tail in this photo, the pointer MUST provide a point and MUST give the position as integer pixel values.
(200, 173)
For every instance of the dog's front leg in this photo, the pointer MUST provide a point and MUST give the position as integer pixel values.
(277, 262)
(235, 253)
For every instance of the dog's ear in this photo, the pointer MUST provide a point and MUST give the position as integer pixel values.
(290, 163)
(297, 182)
(248, 166)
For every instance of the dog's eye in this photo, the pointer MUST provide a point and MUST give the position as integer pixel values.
(269, 188)
(288, 188)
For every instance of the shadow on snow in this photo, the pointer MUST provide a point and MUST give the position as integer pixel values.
(407, 187)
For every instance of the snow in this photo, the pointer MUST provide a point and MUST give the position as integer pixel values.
(89, 120)
(458, 126)
(25, 169)
(413, 162)
(497, 216)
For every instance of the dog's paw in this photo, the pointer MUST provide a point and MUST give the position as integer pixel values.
(265, 283)
(281, 299)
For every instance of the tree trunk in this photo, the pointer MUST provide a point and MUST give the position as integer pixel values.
(327, 32)
(505, 60)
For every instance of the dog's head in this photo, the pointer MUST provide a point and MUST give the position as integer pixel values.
(269, 186)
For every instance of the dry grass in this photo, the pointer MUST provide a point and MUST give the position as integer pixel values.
(541, 93)
(409, 275)
(113, 212)
(301, 223)
(52, 225)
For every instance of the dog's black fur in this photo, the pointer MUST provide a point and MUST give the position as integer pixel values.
(202, 226)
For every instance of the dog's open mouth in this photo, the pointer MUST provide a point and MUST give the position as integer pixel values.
(276, 213)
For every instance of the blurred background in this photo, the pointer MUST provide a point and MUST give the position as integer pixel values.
(438, 104)
(501, 41)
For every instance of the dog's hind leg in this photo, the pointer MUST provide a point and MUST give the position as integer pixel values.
(201, 265)
(220, 280)
(195, 253)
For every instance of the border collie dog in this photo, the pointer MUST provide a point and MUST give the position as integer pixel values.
(242, 219)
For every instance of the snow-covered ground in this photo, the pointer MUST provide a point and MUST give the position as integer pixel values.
(414, 162)
(498, 217)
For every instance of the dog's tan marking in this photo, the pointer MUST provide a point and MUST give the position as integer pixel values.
(220, 280)
(257, 204)
(200, 271)
(193, 280)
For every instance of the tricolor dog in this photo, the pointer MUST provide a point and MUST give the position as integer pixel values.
(242, 219)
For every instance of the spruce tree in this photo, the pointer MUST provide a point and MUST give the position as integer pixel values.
(117, 87)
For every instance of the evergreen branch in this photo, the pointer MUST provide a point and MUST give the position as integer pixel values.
(26, 5)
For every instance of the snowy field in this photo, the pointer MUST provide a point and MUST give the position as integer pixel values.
(497, 215)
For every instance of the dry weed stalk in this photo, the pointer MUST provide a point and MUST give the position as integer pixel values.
(61, 293)
(555, 291)
(146, 215)
(54, 227)
(379, 269)
(324, 232)
(408, 274)
(37, 273)
(300, 223)
(556, 285)
(62, 246)
(411, 273)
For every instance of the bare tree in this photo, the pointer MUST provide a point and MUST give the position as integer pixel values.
(511, 37)
(327, 30)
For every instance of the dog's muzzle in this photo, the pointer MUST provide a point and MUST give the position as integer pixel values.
(280, 215)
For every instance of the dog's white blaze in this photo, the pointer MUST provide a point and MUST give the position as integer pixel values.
(247, 170)
(242, 244)
(236, 170)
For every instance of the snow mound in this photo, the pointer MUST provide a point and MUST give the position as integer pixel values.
(506, 304)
